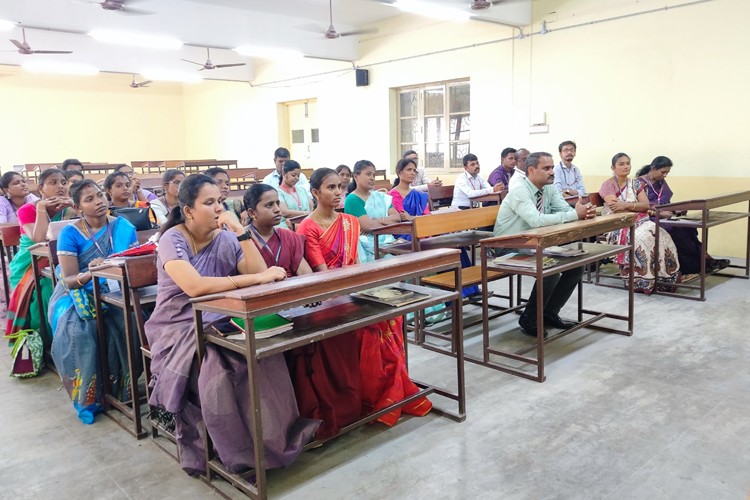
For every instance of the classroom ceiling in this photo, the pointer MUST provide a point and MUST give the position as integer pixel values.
(297, 25)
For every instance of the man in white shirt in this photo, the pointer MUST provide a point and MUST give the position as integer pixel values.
(568, 178)
(470, 184)
(281, 156)
(421, 181)
(520, 169)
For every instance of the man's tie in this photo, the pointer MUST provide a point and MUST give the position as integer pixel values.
(539, 202)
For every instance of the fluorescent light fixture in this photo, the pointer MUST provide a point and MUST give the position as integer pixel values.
(6, 25)
(59, 68)
(136, 39)
(431, 10)
(267, 52)
(170, 76)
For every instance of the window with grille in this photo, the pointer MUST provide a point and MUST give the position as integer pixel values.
(434, 120)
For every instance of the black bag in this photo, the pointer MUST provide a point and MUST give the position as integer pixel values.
(139, 217)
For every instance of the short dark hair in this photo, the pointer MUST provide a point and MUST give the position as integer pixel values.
(110, 180)
(566, 143)
(255, 193)
(618, 156)
(281, 153)
(7, 178)
(409, 152)
(77, 187)
(506, 152)
(469, 157)
(533, 160)
(70, 161)
(72, 173)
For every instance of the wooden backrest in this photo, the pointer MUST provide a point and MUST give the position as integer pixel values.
(261, 173)
(237, 174)
(383, 174)
(462, 220)
(596, 200)
(383, 184)
(439, 196)
(54, 259)
(141, 271)
(308, 172)
(11, 235)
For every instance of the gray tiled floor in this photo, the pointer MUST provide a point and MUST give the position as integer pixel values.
(660, 415)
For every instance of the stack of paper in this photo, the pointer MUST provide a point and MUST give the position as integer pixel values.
(523, 260)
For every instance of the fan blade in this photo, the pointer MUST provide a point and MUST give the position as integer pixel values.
(202, 68)
(135, 12)
(192, 62)
(359, 32)
(143, 84)
(18, 44)
(51, 51)
(229, 65)
(312, 28)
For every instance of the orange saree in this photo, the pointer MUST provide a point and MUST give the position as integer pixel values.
(383, 374)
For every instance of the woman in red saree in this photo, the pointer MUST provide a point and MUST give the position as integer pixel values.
(331, 240)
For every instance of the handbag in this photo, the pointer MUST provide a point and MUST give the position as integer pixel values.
(140, 217)
(26, 355)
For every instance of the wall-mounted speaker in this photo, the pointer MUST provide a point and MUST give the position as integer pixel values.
(363, 77)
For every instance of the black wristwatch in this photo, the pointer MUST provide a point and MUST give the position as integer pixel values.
(244, 236)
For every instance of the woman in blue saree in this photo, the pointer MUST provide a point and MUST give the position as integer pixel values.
(84, 243)
(373, 209)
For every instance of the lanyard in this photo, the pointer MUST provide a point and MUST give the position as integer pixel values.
(265, 243)
(622, 191)
(93, 240)
(565, 174)
(657, 193)
(471, 181)
(293, 194)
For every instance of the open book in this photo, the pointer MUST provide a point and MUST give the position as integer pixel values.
(392, 296)
(265, 326)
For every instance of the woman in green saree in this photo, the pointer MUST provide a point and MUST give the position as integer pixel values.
(34, 219)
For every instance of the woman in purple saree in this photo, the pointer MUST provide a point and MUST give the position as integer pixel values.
(197, 257)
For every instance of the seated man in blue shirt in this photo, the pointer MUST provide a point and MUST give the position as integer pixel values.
(536, 203)
(568, 178)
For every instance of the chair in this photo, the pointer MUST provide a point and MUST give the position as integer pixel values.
(440, 196)
(10, 236)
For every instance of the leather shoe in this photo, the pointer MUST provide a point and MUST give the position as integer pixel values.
(556, 321)
(529, 327)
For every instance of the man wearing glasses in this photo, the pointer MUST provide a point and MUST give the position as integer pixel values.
(568, 178)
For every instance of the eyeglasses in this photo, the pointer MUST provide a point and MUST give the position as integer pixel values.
(176, 183)
(569, 150)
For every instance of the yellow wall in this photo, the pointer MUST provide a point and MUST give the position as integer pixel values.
(48, 118)
(671, 82)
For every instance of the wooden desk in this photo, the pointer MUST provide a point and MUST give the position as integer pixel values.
(333, 285)
(123, 299)
(40, 251)
(703, 220)
(198, 165)
(491, 199)
(10, 238)
(538, 240)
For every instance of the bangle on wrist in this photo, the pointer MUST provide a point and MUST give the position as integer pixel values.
(233, 282)
(78, 279)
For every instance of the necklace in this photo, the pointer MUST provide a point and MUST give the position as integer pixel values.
(192, 240)
(621, 189)
(324, 224)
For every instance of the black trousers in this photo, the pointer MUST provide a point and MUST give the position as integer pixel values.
(557, 290)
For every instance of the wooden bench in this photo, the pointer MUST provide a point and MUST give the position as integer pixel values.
(448, 230)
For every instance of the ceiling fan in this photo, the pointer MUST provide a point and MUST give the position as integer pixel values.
(209, 65)
(137, 85)
(332, 34)
(483, 4)
(25, 48)
(120, 6)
